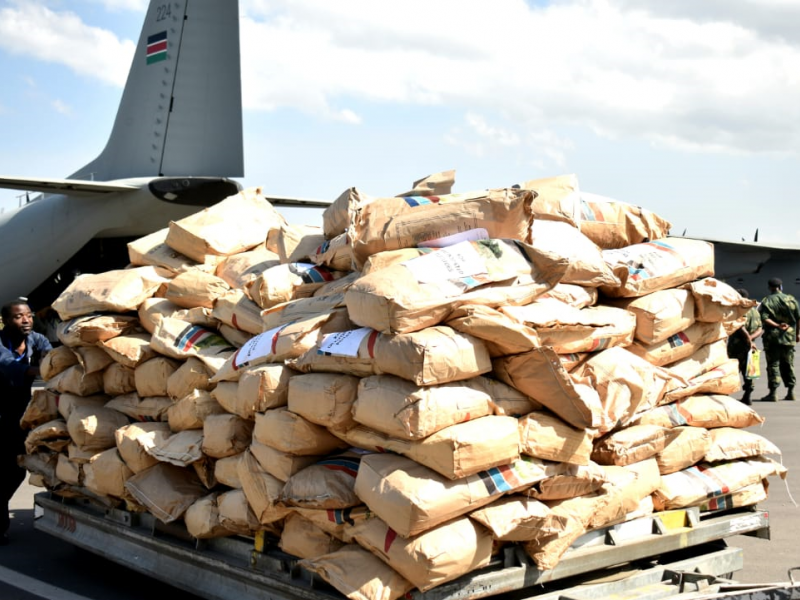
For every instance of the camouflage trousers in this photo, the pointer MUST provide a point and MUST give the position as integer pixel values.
(780, 365)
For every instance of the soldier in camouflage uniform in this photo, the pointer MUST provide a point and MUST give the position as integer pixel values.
(780, 315)
(742, 341)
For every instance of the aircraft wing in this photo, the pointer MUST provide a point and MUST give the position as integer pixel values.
(298, 202)
(71, 186)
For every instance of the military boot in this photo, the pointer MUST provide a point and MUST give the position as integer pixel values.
(771, 397)
(746, 398)
(789, 394)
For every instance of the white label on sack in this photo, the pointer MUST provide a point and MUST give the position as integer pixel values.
(258, 346)
(452, 263)
(344, 343)
(471, 235)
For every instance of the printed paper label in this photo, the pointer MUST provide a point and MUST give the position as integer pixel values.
(472, 235)
(344, 343)
(257, 347)
(454, 263)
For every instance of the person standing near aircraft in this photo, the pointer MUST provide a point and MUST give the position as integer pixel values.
(742, 341)
(20, 355)
(780, 316)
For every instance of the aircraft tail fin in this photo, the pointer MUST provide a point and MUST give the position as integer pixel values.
(181, 109)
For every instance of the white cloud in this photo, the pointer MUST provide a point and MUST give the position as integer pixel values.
(61, 107)
(32, 29)
(124, 5)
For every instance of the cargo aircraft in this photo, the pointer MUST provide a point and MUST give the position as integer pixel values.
(174, 146)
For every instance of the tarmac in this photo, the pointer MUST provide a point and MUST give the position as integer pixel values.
(36, 566)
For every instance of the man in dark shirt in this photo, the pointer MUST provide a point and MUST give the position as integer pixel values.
(780, 315)
(20, 354)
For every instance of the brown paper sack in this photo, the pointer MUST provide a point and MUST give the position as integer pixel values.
(747, 496)
(336, 216)
(455, 452)
(723, 379)
(613, 224)
(130, 350)
(226, 470)
(225, 435)
(152, 310)
(423, 292)
(295, 243)
(107, 473)
(152, 250)
(191, 375)
(577, 296)
(94, 428)
(412, 498)
(118, 379)
(69, 472)
(276, 345)
(264, 387)
(697, 484)
(192, 410)
(57, 360)
(335, 254)
(434, 355)
(540, 375)
(404, 410)
(279, 464)
(337, 286)
(74, 380)
(92, 359)
(88, 330)
(236, 337)
(237, 310)
(290, 281)
(327, 484)
(52, 435)
(289, 432)
(576, 480)
(141, 409)
(729, 443)
(195, 288)
(627, 384)
(586, 264)
(178, 339)
(238, 269)
(567, 329)
(658, 265)
(202, 519)
(501, 334)
(686, 446)
(41, 467)
(432, 558)
(166, 490)
(516, 518)
(262, 490)
(238, 223)
(151, 376)
(709, 411)
(69, 402)
(392, 223)
(42, 408)
(630, 444)
(546, 436)
(703, 359)
(181, 449)
(115, 291)
(660, 314)
(717, 301)
(387, 258)
(236, 515)
(324, 398)
(301, 538)
(133, 441)
(358, 574)
(681, 345)
(299, 310)
(557, 198)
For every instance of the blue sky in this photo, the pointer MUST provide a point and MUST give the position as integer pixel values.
(689, 109)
